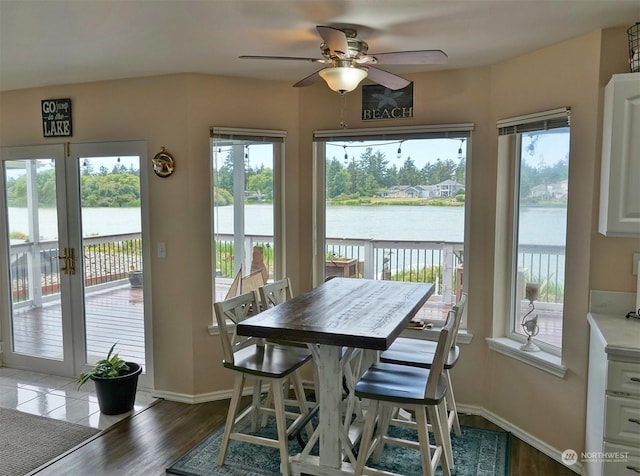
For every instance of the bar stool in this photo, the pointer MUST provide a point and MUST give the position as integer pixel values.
(251, 357)
(392, 386)
(420, 353)
(273, 294)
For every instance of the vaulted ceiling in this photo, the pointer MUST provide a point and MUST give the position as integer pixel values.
(66, 41)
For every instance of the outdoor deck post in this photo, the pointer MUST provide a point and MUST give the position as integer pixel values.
(447, 273)
(34, 258)
(369, 260)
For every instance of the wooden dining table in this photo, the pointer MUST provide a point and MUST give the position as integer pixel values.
(342, 313)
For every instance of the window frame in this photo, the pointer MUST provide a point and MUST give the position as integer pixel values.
(510, 133)
(278, 139)
(437, 131)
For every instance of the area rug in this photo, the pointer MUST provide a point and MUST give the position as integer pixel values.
(28, 441)
(476, 453)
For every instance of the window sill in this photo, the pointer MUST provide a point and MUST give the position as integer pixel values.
(541, 360)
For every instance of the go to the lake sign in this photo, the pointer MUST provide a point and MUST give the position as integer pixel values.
(56, 117)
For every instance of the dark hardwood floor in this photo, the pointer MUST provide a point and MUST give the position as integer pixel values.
(150, 441)
(524, 459)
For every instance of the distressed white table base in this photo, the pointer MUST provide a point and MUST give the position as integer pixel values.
(335, 414)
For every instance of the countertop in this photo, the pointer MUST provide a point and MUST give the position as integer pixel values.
(620, 335)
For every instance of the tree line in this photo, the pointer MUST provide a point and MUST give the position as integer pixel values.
(118, 187)
(365, 176)
(531, 177)
(258, 183)
(371, 174)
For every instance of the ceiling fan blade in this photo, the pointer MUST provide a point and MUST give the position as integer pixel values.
(386, 79)
(411, 57)
(335, 39)
(309, 80)
(286, 58)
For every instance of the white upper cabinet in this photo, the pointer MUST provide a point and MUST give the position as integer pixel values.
(620, 180)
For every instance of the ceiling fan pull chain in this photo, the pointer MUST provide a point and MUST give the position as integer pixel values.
(343, 124)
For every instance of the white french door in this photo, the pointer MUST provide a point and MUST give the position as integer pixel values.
(72, 229)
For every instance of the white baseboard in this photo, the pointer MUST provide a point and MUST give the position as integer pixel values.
(520, 433)
(202, 397)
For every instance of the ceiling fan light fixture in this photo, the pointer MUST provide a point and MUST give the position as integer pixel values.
(343, 79)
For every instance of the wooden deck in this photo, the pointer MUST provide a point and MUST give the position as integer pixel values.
(116, 315)
(112, 315)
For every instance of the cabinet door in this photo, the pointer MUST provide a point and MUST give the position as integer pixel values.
(620, 460)
(622, 423)
(620, 180)
(624, 378)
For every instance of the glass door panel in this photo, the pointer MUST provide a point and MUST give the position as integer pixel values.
(112, 283)
(104, 190)
(36, 261)
(34, 266)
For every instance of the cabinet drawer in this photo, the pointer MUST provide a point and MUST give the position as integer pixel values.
(624, 378)
(621, 460)
(622, 421)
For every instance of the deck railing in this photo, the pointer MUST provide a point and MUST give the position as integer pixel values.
(108, 259)
(544, 264)
(426, 261)
(441, 263)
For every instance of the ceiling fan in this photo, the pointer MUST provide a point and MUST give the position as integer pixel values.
(348, 62)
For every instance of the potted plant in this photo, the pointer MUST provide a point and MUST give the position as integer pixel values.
(135, 277)
(340, 266)
(116, 383)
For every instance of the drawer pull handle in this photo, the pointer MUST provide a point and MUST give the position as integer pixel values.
(635, 379)
(635, 469)
(634, 420)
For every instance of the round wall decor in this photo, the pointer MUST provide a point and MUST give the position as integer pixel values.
(163, 163)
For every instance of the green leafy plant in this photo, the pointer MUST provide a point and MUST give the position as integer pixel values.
(426, 274)
(111, 366)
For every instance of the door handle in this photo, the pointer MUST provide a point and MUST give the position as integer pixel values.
(63, 261)
(71, 261)
(68, 261)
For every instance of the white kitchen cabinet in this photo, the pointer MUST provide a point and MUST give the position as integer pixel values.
(620, 174)
(612, 445)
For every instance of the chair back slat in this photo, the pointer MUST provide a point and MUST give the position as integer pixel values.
(236, 310)
(458, 309)
(234, 289)
(275, 293)
(440, 357)
(251, 282)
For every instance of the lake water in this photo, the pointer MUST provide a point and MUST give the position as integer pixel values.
(95, 221)
(544, 226)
